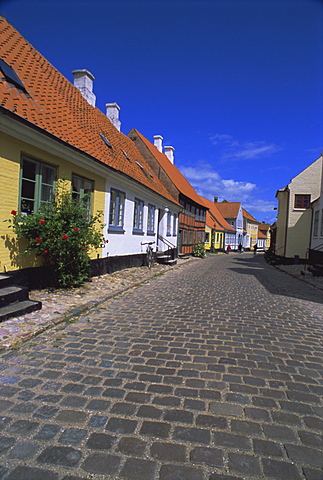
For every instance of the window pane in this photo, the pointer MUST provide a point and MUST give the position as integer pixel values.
(28, 189)
(29, 169)
(47, 192)
(27, 206)
(48, 175)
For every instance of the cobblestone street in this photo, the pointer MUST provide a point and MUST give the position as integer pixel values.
(211, 371)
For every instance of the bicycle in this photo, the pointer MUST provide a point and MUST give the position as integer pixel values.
(150, 254)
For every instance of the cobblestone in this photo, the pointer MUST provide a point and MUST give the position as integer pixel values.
(212, 371)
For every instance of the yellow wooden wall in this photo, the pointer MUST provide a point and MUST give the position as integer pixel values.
(11, 151)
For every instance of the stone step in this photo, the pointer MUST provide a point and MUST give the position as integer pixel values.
(12, 294)
(19, 308)
(5, 280)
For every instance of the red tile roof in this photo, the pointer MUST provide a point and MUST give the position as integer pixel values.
(56, 106)
(214, 218)
(178, 179)
(229, 209)
(248, 216)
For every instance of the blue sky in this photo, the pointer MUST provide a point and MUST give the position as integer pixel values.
(234, 86)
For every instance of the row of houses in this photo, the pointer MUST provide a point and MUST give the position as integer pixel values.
(51, 129)
(297, 233)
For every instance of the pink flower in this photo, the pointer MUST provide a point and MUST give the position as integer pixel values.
(38, 240)
(64, 237)
(76, 229)
(45, 252)
(42, 222)
(13, 212)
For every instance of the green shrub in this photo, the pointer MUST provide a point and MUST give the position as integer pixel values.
(63, 234)
(199, 250)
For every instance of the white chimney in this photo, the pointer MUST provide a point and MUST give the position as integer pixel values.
(83, 80)
(158, 142)
(112, 112)
(169, 152)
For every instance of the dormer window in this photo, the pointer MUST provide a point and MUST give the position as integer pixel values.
(126, 155)
(10, 76)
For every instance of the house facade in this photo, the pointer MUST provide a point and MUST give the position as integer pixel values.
(50, 129)
(232, 212)
(264, 236)
(250, 226)
(218, 232)
(294, 220)
(192, 217)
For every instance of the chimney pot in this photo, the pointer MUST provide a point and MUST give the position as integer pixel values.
(216, 199)
(112, 112)
(83, 81)
(169, 152)
(158, 142)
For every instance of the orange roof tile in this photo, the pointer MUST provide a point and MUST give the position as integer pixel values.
(57, 107)
(248, 216)
(214, 217)
(178, 179)
(229, 209)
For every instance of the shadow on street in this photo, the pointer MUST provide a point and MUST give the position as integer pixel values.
(276, 281)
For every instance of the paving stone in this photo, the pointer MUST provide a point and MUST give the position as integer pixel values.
(279, 433)
(123, 408)
(98, 404)
(211, 422)
(226, 409)
(155, 429)
(280, 470)
(312, 473)
(311, 439)
(168, 452)
(245, 428)
(29, 473)
(47, 432)
(244, 464)
(97, 421)
(121, 425)
(45, 413)
(179, 416)
(207, 455)
(194, 435)
(72, 436)
(132, 446)
(138, 469)
(148, 411)
(307, 455)
(267, 449)
(224, 439)
(100, 441)
(63, 456)
(220, 476)
(102, 464)
(179, 472)
(6, 443)
(23, 450)
(71, 416)
(191, 404)
(22, 427)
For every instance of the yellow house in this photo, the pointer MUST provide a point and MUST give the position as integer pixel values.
(250, 225)
(49, 130)
(216, 228)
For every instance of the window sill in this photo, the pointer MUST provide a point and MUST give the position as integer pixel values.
(113, 229)
(137, 232)
(150, 233)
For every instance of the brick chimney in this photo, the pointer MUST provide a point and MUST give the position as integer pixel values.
(158, 142)
(83, 80)
(169, 152)
(112, 112)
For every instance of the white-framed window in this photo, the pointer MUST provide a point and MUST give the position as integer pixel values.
(82, 190)
(37, 184)
(138, 216)
(116, 215)
(151, 219)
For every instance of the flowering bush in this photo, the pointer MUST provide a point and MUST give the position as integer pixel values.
(199, 250)
(63, 234)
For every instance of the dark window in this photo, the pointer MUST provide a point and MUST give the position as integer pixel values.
(151, 219)
(302, 201)
(138, 217)
(10, 75)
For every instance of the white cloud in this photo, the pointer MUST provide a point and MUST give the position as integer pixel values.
(234, 150)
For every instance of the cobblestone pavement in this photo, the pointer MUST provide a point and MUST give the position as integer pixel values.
(212, 371)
